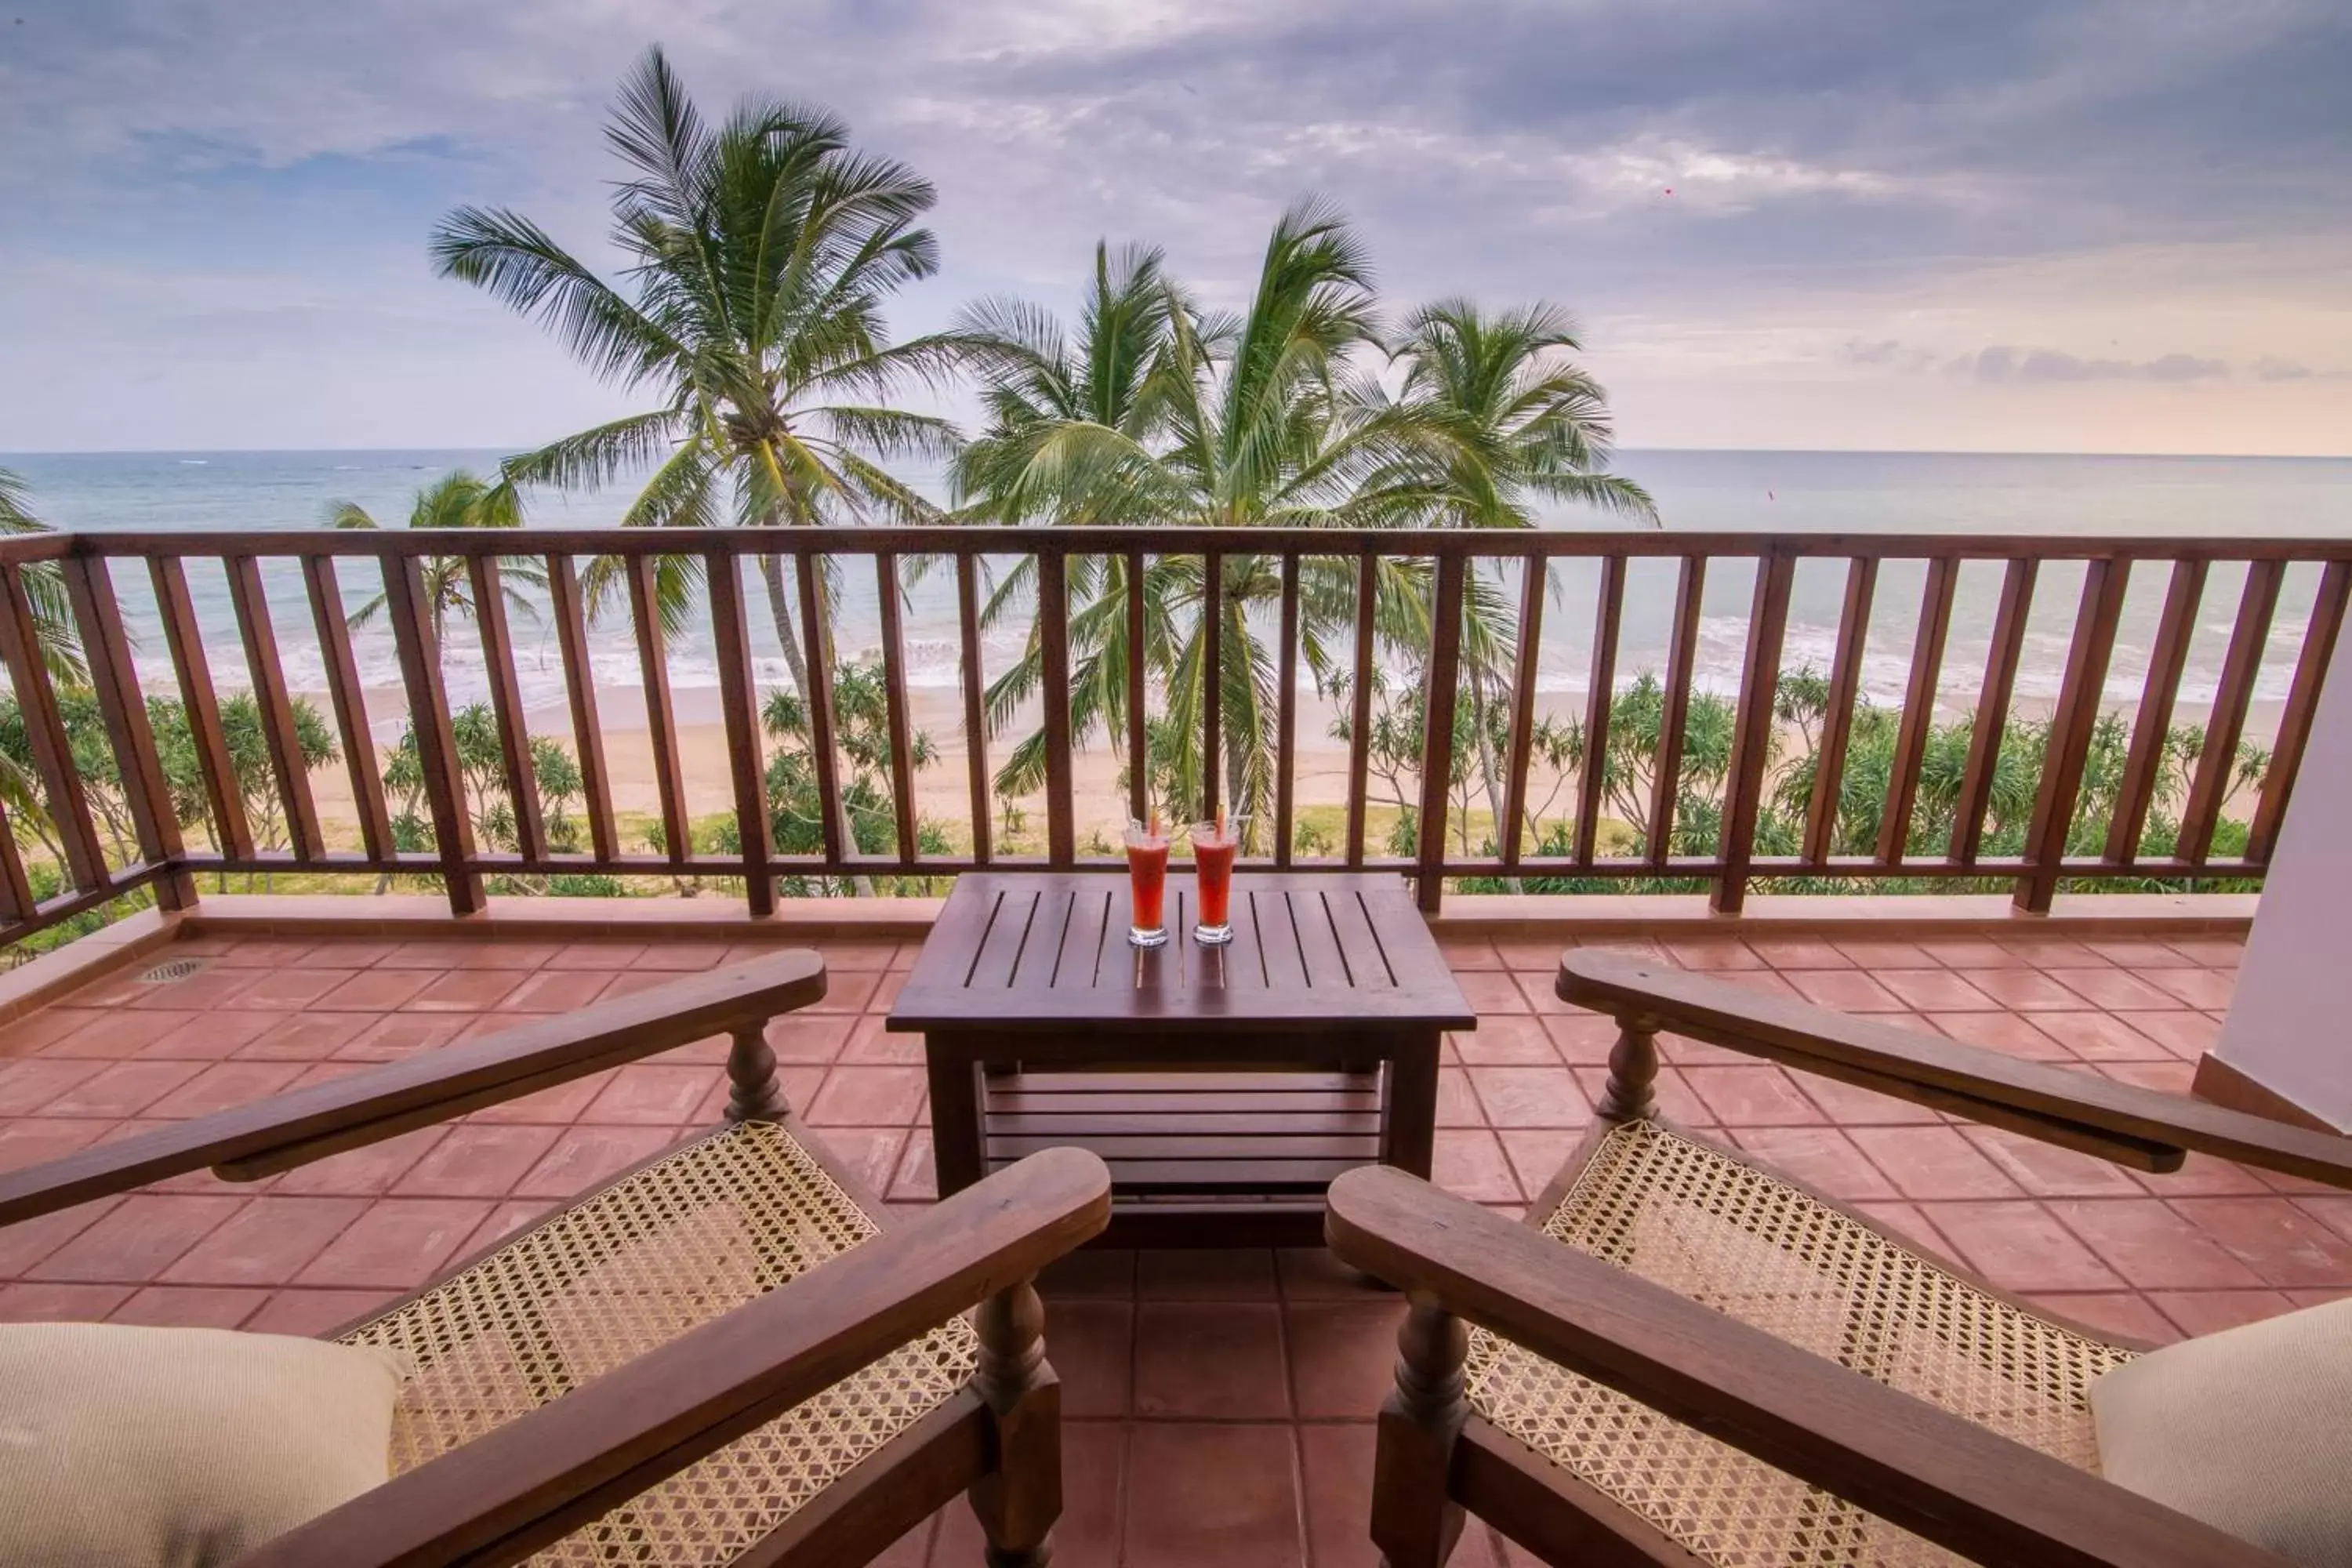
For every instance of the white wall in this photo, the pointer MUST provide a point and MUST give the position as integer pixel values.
(2290, 1023)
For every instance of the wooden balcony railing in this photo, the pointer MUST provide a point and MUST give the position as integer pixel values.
(1512, 581)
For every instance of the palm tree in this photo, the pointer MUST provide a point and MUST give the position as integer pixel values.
(761, 253)
(1167, 413)
(1164, 412)
(1502, 417)
(457, 499)
(53, 626)
(1497, 417)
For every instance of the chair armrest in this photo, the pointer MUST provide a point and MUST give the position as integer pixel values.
(1933, 1473)
(510, 1492)
(379, 1102)
(2117, 1122)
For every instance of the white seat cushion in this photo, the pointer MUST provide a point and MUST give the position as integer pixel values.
(135, 1447)
(2250, 1430)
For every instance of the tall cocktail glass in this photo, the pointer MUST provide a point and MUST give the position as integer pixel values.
(1147, 875)
(1214, 844)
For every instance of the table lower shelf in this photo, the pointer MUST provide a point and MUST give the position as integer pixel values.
(1198, 1158)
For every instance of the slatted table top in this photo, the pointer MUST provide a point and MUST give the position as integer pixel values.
(1309, 947)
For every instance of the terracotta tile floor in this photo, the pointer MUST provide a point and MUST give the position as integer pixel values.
(1221, 1401)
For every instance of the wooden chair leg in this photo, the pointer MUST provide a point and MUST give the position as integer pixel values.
(752, 1093)
(1415, 1523)
(1021, 1498)
(1631, 1094)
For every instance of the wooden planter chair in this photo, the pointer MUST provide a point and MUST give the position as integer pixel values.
(727, 1355)
(1682, 1358)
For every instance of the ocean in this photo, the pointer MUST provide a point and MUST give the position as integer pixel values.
(1695, 490)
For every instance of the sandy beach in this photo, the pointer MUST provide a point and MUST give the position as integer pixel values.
(943, 789)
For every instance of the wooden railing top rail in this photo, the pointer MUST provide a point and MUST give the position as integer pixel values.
(1677, 814)
(979, 540)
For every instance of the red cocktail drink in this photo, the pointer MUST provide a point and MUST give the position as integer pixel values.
(1214, 844)
(1147, 875)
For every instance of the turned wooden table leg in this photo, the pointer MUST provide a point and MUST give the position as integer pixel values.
(1415, 1521)
(752, 1093)
(1018, 1501)
(1630, 1093)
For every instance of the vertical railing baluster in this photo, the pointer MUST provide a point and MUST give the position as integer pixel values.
(114, 677)
(1359, 704)
(185, 638)
(345, 695)
(1993, 709)
(1918, 719)
(17, 905)
(972, 674)
(661, 717)
(1285, 714)
(2145, 762)
(1054, 650)
(1609, 614)
(894, 698)
(1213, 682)
(436, 742)
(2319, 636)
(1837, 724)
(816, 636)
(580, 688)
(2241, 666)
(278, 730)
(1535, 577)
(506, 705)
(739, 708)
(1437, 745)
(45, 732)
(2103, 582)
(1665, 785)
(1751, 739)
(1139, 734)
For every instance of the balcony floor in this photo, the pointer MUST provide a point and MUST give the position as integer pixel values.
(1224, 1399)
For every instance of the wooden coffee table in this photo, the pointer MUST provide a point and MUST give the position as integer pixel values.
(1226, 1087)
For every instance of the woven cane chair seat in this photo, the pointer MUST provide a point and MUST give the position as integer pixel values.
(1705, 1224)
(725, 1219)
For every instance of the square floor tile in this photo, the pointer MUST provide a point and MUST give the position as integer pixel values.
(1336, 1463)
(1822, 1158)
(478, 1160)
(1342, 1356)
(1199, 1494)
(583, 1157)
(268, 1242)
(2153, 1247)
(465, 991)
(2280, 1242)
(2018, 1245)
(1530, 1096)
(397, 1244)
(1933, 1162)
(1092, 1346)
(136, 1240)
(1209, 1361)
(1205, 1274)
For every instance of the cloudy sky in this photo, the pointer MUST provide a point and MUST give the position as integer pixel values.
(1973, 225)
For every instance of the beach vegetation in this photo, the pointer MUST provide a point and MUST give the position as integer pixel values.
(485, 795)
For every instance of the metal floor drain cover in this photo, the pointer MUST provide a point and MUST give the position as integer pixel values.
(170, 970)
